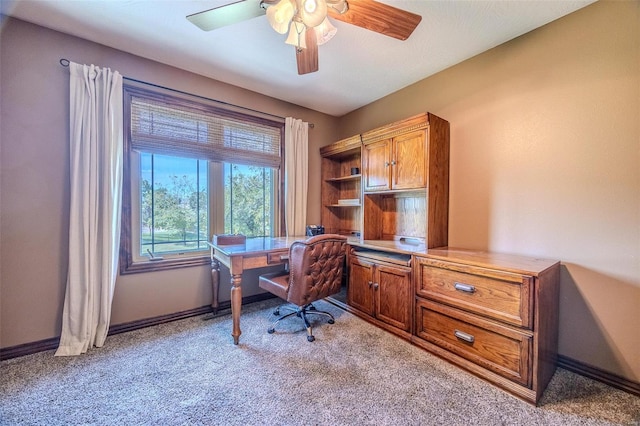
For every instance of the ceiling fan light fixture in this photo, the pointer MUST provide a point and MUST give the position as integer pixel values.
(299, 16)
(340, 6)
(312, 12)
(280, 14)
(325, 31)
(297, 35)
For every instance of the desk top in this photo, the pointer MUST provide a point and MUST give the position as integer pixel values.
(258, 245)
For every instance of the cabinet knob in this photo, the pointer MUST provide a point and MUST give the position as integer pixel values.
(386, 164)
(370, 283)
(375, 286)
(393, 163)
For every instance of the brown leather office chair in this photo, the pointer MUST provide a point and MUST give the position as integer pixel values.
(315, 272)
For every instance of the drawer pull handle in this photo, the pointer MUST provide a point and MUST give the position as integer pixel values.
(464, 336)
(465, 288)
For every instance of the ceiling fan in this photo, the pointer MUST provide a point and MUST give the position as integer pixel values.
(307, 24)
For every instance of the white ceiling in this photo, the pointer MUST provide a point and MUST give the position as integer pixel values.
(356, 67)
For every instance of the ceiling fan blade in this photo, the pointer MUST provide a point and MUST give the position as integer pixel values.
(307, 59)
(226, 15)
(379, 17)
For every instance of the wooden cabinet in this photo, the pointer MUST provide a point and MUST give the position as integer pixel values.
(380, 288)
(341, 190)
(404, 155)
(396, 163)
(405, 167)
(401, 192)
(493, 314)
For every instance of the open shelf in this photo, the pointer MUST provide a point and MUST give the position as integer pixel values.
(339, 184)
(345, 178)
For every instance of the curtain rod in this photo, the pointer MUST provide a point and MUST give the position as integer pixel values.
(65, 63)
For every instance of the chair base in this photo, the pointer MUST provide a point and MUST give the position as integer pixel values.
(301, 312)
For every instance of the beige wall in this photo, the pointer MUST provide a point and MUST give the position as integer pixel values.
(34, 190)
(545, 161)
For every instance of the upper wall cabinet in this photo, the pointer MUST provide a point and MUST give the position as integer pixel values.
(396, 163)
(400, 156)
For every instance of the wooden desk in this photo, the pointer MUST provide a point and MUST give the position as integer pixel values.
(255, 253)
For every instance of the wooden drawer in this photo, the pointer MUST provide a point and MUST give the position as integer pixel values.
(504, 350)
(277, 257)
(495, 294)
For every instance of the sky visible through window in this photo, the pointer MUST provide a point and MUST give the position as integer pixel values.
(166, 167)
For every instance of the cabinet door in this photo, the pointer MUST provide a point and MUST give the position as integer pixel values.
(360, 290)
(393, 296)
(409, 161)
(377, 165)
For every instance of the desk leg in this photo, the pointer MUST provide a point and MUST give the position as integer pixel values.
(215, 284)
(236, 306)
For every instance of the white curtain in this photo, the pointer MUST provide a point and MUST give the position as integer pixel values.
(296, 148)
(96, 191)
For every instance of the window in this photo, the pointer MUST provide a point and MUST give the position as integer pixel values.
(248, 200)
(192, 170)
(173, 213)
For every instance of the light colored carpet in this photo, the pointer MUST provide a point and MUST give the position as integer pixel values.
(189, 372)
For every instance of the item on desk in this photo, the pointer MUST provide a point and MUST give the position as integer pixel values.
(229, 239)
(412, 241)
(314, 230)
(349, 201)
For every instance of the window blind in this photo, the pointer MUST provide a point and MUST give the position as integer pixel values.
(167, 125)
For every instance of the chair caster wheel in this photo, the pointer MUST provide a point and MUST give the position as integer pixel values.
(311, 338)
(276, 312)
(271, 330)
(312, 308)
(331, 321)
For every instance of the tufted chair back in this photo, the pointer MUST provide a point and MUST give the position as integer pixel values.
(315, 268)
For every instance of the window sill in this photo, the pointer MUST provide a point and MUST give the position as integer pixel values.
(130, 267)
